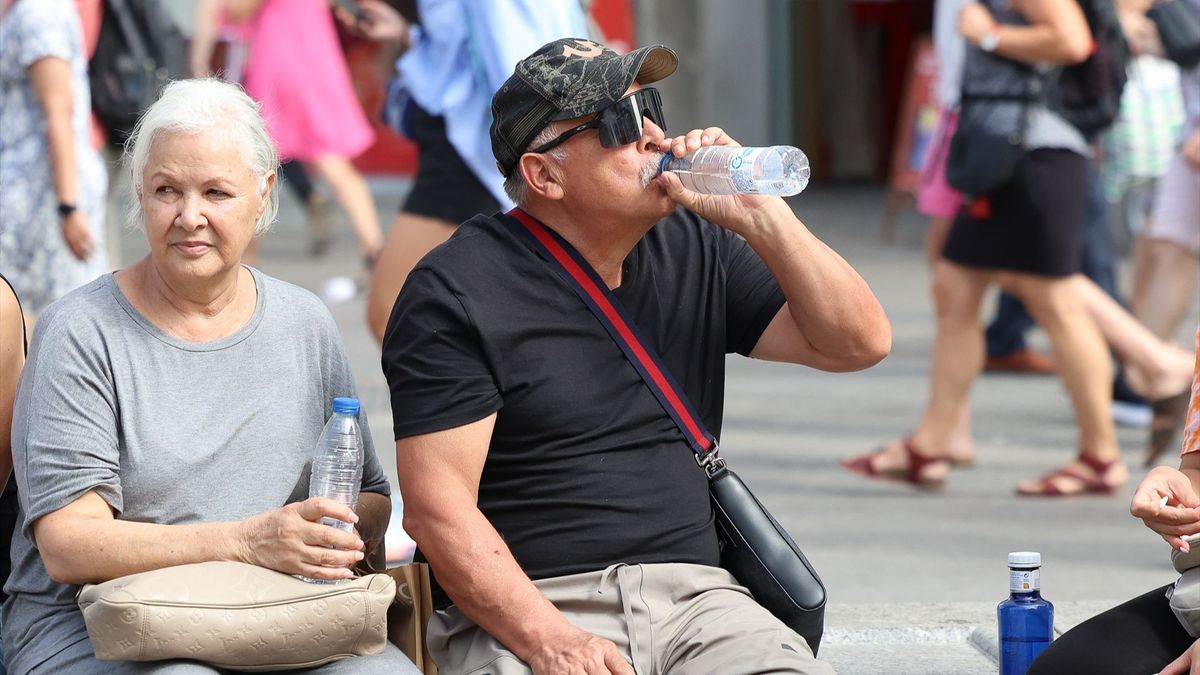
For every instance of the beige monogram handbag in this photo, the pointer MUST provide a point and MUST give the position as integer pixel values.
(236, 616)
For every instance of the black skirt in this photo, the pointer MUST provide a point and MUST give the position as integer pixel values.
(445, 187)
(1034, 224)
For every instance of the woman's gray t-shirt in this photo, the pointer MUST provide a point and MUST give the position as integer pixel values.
(165, 430)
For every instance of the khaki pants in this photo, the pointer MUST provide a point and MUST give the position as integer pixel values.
(669, 619)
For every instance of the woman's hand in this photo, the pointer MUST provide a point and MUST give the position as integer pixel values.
(293, 540)
(77, 236)
(379, 21)
(1180, 515)
(1188, 662)
(1140, 32)
(1190, 150)
(975, 21)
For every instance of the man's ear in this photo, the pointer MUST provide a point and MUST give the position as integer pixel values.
(542, 175)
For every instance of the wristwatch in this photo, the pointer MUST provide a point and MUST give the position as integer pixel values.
(990, 40)
(66, 208)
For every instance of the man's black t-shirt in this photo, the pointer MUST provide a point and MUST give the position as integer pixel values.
(585, 468)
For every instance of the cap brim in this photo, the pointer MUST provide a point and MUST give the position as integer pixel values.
(653, 63)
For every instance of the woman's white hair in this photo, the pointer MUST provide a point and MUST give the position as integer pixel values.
(197, 106)
(514, 185)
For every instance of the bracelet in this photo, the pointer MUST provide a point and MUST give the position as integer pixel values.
(990, 40)
(66, 208)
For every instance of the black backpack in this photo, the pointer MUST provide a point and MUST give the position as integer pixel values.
(139, 50)
(1088, 94)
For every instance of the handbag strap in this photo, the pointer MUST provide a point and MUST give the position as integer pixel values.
(579, 275)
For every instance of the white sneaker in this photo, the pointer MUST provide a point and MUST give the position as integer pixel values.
(1132, 415)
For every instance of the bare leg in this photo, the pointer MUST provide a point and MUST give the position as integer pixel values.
(1084, 367)
(958, 352)
(935, 239)
(1164, 281)
(1156, 369)
(961, 448)
(410, 238)
(957, 359)
(352, 193)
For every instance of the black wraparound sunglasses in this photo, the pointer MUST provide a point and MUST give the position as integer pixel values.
(620, 123)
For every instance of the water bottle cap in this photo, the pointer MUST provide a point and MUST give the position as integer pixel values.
(1025, 559)
(346, 405)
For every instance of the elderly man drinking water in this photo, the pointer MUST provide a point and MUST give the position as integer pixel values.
(561, 510)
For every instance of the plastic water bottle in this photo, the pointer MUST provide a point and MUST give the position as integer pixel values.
(725, 170)
(337, 463)
(1026, 620)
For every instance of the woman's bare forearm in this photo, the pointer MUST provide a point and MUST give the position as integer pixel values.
(83, 543)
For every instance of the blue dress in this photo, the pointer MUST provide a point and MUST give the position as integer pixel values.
(33, 254)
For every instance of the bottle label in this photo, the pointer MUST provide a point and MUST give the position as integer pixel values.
(1024, 581)
(741, 170)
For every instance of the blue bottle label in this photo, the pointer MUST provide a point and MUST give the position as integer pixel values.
(1024, 581)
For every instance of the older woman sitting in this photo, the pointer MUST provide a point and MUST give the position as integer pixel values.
(169, 411)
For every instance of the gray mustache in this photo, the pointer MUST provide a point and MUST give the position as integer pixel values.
(650, 170)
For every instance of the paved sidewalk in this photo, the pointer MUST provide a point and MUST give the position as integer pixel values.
(913, 578)
(943, 638)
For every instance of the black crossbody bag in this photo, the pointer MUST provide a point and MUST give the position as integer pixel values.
(755, 548)
(1178, 24)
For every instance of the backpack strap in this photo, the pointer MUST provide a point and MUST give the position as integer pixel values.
(129, 31)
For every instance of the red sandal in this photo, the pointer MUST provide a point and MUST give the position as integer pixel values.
(913, 472)
(1047, 485)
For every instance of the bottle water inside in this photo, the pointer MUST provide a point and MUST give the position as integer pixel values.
(725, 170)
(1026, 620)
(337, 462)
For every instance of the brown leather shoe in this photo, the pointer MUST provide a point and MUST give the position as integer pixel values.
(1025, 361)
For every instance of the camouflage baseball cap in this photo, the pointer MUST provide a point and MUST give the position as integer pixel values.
(564, 79)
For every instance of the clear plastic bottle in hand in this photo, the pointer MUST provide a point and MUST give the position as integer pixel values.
(337, 462)
(725, 170)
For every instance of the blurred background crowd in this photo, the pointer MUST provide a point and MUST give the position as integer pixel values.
(357, 92)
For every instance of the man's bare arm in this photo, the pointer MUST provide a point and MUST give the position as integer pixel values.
(439, 478)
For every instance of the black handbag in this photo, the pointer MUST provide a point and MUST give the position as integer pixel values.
(984, 157)
(761, 555)
(989, 141)
(755, 548)
(1178, 23)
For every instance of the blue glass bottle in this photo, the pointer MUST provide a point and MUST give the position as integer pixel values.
(1026, 620)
